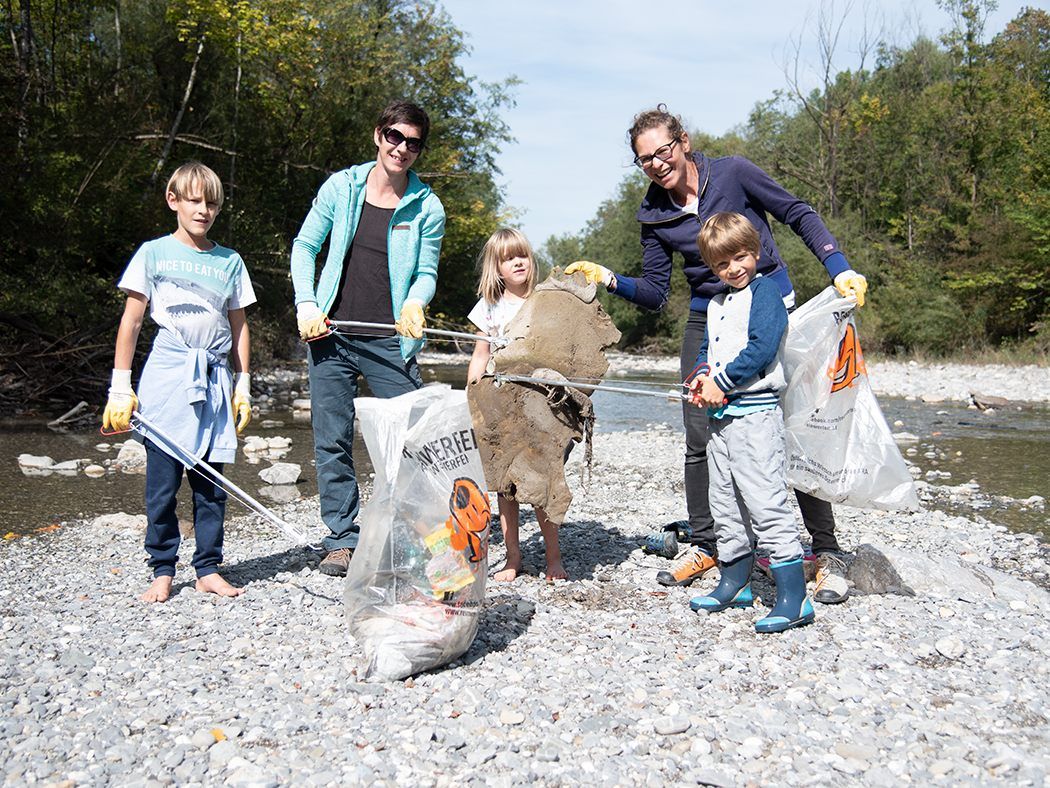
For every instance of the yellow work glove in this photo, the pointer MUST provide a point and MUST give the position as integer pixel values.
(850, 283)
(411, 323)
(121, 403)
(242, 400)
(311, 320)
(596, 274)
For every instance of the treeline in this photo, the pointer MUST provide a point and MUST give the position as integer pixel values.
(104, 98)
(932, 168)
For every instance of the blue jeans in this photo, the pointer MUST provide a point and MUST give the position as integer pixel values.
(335, 363)
(163, 478)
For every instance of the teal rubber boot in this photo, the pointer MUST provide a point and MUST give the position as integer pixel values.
(793, 608)
(733, 589)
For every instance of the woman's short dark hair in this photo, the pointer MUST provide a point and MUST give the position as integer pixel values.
(405, 112)
(654, 119)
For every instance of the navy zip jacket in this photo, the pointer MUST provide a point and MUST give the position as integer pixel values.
(735, 184)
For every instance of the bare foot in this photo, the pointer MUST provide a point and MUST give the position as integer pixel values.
(215, 584)
(508, 572)
(159, 590)
(555, 571)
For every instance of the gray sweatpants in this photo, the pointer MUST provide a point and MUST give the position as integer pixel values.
(748, 488)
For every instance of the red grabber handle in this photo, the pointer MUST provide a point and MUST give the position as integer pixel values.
(327, 323)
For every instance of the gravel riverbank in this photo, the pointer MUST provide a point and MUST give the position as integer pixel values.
(933, 382)
(606, 679)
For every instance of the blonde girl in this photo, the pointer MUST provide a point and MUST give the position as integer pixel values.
(508, 276)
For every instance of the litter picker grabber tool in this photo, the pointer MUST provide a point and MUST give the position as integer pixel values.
(297, 535)
(670, 394)
(436, 332)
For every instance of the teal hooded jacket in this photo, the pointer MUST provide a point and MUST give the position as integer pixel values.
(413, 243)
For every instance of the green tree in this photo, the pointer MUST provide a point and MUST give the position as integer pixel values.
(107, 96)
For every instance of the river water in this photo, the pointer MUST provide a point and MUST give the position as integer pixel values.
(1007, 454)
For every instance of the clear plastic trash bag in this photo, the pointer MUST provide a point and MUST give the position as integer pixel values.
(839, 447)
(416, 583)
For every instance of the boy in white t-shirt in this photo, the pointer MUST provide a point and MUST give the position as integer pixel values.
(197, 292)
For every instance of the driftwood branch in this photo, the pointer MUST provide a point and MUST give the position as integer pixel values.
(69, 414)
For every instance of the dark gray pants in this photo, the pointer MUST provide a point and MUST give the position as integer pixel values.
(816, 514)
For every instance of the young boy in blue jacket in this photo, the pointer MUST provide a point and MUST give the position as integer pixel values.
(739, 378)
(197, 292)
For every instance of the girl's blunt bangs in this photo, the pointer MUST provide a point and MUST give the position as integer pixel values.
(503, 244)
(508, 244)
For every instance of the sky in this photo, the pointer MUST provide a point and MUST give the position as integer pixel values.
(587, 66)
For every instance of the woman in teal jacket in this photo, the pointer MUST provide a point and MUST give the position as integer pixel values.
(384, 229)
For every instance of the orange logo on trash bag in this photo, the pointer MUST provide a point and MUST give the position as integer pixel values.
(470, 517)
(850, 362)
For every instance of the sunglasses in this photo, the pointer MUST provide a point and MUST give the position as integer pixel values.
(395, 138)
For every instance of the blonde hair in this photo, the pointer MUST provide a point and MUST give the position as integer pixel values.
(726, 233)
(504, 244)
(183, 180)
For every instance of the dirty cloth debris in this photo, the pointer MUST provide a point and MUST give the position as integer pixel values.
(526, 431)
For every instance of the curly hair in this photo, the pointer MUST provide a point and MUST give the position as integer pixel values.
(654, 119)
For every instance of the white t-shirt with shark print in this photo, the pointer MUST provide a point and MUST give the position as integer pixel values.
(190, 292)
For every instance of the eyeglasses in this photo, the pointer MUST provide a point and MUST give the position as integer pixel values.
(663, 153)
(395, 138)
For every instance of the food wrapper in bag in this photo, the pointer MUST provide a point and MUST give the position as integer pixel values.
(416, 583)
(839, 446)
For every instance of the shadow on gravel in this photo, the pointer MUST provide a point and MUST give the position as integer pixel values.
(504, 619)
(266, 567)
(585, 546)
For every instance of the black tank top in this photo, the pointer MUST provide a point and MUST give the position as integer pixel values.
(364, 292)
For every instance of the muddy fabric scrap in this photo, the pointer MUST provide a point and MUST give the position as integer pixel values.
(526, 431)
(561, 326)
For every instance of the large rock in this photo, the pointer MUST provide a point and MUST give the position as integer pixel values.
(35, 465)
(273, 448)
(280, 493)
(987, 401)
(525, 431)
(131, 522)
(871, 572)
(131, 458)
(70, 467)
(949, 577)
(281, 473)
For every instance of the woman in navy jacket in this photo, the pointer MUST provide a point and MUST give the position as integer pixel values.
(688, 187)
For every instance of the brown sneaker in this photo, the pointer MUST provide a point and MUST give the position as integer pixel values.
(692, 564)
(336, 562)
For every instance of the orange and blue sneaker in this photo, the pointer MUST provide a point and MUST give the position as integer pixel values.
(690, 565)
